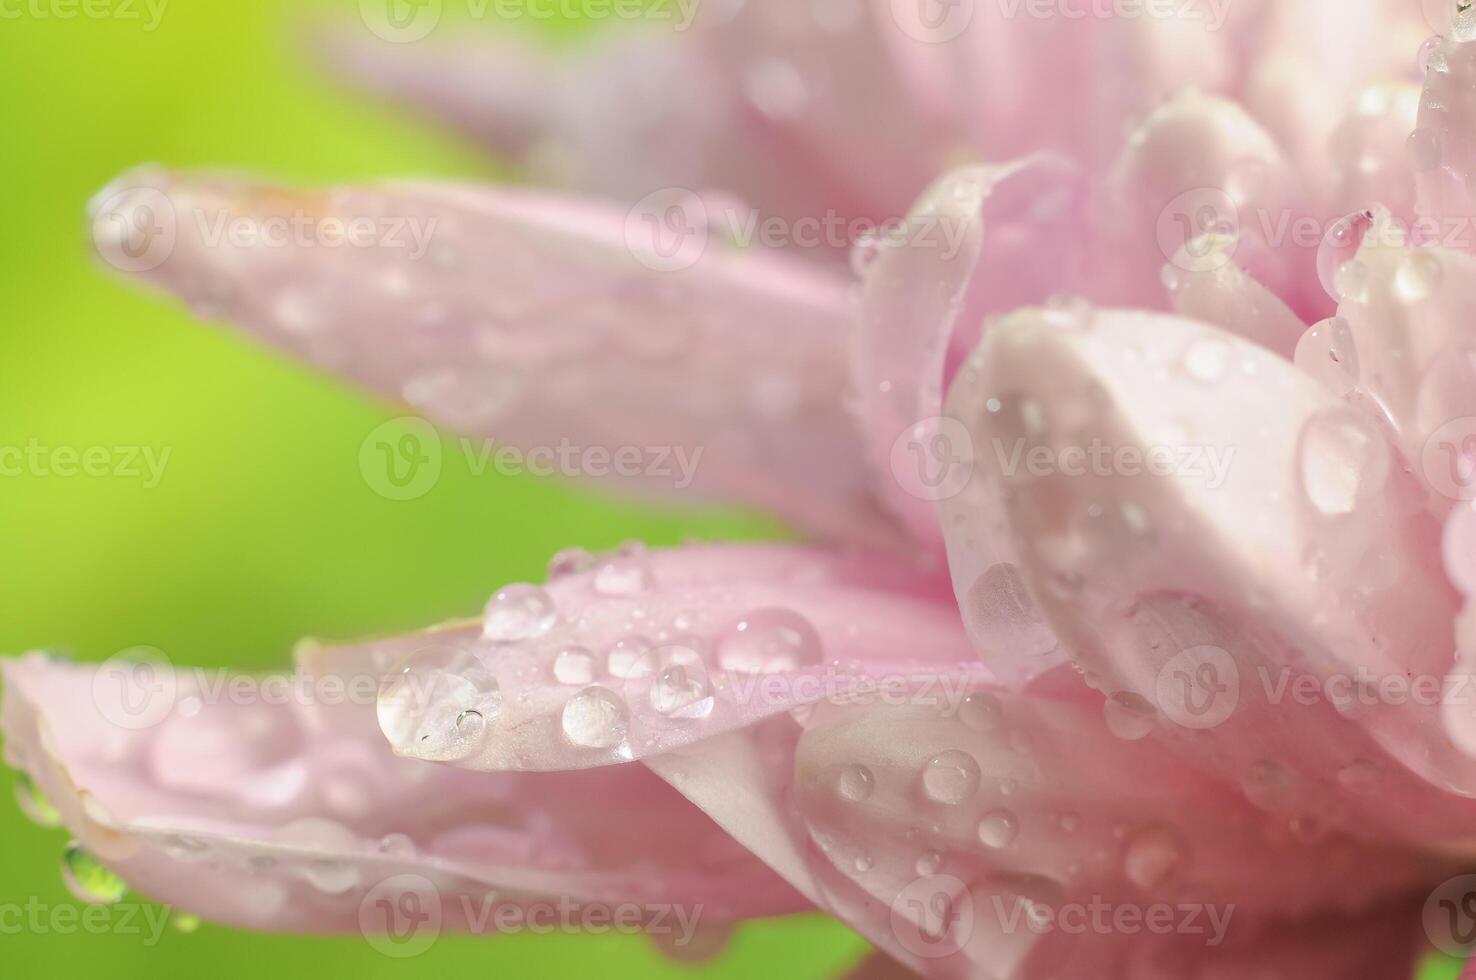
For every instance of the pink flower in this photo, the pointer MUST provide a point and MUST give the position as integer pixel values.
(1208, 709)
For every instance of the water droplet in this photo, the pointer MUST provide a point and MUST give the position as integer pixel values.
(517, 613)
(998, 829)
(1129, 716)
(623, 575)
(951, 777)
(34, 804)
(928, 863)
(1207, 360)
(1463, 28)
(185, 923)
(681, 690)
(630, 658)
(397, 846)
(855, 783)
(595, 718)
(1427, 52)
(425, 708)
(1360, 776)
(570, 561)
(770, 641)
(88, 880)
(1343, 461)
(1350, 283)
(864, 862)
(322, 842)
(574, 665)
(1154, 857)
(1418, 275)
(981, 711)
(181, 848)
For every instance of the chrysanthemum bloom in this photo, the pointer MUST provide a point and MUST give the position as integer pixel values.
(1175, 387)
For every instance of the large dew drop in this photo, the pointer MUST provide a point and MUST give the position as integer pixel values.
(517, 613)
(1154, 858)
(87, 879)
(680, 689)
(34, 804)
(951, 777)
(623, 575)
(326, 847)
(574, 665)
(1129, 716)
(439, 705)
(595, 718)
(998, 829)
(1342, 460)
(855, 784)
(770, 641)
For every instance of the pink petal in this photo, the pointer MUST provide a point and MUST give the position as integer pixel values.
(1009, 802)
(1200, 164)
(1407, 353)
(1210, 286)
(500, 88)
(1136, 63)
(669, 649)
(1442, 150)
(687, 373)
(982, 240)
(1304, 59)
(768, 101)
(244, 808)
(1370, 151)
(1189, 509)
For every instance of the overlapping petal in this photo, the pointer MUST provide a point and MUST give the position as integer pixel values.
(1260, 584)
(644, 653)
(226, 800)
(542, 323)
(1017, 837)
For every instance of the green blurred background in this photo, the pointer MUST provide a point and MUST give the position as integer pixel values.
(262, 530)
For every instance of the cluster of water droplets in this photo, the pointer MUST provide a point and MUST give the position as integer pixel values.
(444, 703)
